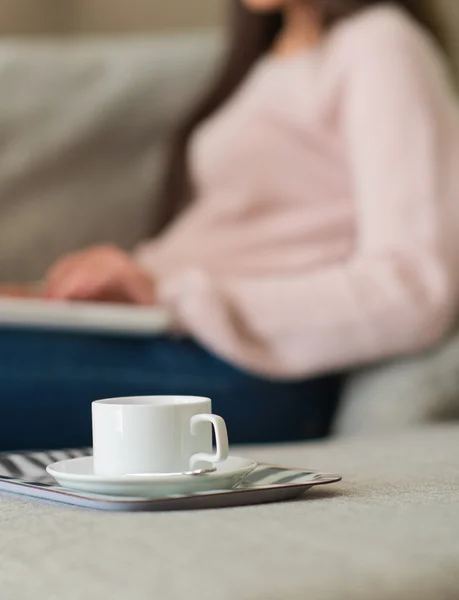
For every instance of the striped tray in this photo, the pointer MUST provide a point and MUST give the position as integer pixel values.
(25, 474)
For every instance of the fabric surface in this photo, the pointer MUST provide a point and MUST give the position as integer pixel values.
(323, 232)
(390, 531)
(53, 378)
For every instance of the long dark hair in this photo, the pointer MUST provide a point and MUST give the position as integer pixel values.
(251, 35)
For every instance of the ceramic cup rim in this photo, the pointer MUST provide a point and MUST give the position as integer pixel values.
(152, 402)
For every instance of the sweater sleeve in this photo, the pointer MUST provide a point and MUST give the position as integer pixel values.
(395, 293)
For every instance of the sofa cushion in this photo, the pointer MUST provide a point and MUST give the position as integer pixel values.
(388, 532)
(82, 127)
(403, 393)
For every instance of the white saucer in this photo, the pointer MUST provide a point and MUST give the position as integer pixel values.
(78, 474)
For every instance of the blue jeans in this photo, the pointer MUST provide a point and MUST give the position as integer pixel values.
(49, 379)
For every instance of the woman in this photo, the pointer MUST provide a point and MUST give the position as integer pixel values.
(310, 226)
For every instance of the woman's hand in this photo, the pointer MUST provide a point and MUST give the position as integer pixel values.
(104, 274)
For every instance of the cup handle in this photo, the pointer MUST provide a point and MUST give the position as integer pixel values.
(221, 439)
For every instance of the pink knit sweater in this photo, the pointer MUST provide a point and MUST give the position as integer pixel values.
(325, 229)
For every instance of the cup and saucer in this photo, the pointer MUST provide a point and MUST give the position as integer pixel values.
(154, 447)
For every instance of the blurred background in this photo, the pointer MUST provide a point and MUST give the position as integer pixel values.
(91, 92)
(102, 17)
(106, 16)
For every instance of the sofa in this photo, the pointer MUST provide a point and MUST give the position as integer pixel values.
(83, 126)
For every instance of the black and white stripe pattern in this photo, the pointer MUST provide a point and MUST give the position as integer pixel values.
(31, 466)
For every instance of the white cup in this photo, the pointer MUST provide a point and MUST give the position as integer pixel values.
(156, 434)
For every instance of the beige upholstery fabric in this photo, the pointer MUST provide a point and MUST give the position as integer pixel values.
(390, 531)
